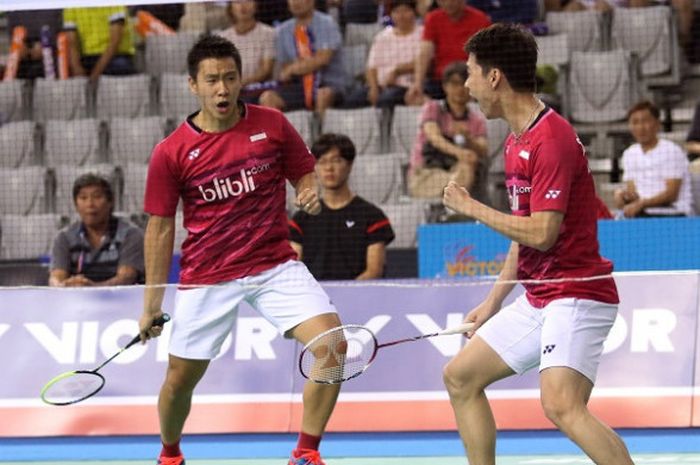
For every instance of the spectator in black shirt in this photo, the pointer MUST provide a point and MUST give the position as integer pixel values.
(347, 239)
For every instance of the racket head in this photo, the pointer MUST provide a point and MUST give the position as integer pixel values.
(72, 387)
(338, 354)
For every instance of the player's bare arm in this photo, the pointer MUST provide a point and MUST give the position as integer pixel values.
(494, 300)
(539, 231)
(307, 194)
(158, 252)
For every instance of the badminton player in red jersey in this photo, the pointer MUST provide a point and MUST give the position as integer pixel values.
(228, 164)
(559, 326)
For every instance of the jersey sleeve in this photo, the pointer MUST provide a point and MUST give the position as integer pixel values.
(162, 185)
(296, 157)
(552, 173)
(378, 227)
(296, 225)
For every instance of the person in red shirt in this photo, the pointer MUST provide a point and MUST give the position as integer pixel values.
(444, 32)
(228, 164)
(570, 303)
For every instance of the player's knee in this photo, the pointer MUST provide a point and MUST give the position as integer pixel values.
(180, 381)
(561, 411)
(458, 381)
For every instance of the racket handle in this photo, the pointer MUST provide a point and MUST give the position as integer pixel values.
(160, 321)
(461, 329)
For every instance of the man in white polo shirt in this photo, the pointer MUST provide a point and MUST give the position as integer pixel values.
(656, 175)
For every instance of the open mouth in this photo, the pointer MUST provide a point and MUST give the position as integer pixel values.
(223, 106)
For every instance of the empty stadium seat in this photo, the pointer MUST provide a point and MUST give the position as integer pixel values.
(176, 99)
(405, 123)
(651, 33)
(72, 142)
(65, 175)
(405, 219)
(603, 86)
(168, 53)
(134, 186)
(302, 122)
(361, 34)
(17, 144)
(378, 178)
(11, 101)
(360, 125)
(23, 190)
(131, 140)
(355, 61)
(25, 237)
(125, 96)
(585, 29)
(60, 99)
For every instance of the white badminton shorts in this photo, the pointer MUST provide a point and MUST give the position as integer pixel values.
(566, 333)
(285, 295)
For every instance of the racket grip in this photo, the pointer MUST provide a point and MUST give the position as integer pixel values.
(461, 329)
(160, 321)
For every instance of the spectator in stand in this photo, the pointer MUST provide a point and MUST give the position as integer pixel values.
(256, 42)
(100, 249)
(508, 11)
(309, 55)
(656, 174)
(347, 239)
(392, 57)
(101, 41)
(451, 141)
(692, 144)
(275, 12)
(445, 32)
(31, 63)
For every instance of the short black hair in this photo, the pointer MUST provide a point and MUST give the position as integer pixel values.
(456, 67)
(409, 3)
(211, 46)
(509, 48)
(645, 105)
(329, 141)
(92, 179)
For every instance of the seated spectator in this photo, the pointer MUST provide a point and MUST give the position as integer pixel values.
(31, 63)
(309, 54)
(451, 141)
(692, 144)
(445, 32)
(391, 61)
(99, 249)
(656, 175)
(101, 41)
(275, 12)
(256, 42)
(508, 11)
(347, 239)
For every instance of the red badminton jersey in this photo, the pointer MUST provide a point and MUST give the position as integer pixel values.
(546, 169)
(232, 186)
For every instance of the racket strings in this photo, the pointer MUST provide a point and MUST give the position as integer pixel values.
(338, 355)
(72, 388)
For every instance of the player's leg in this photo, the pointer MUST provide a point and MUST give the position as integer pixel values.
(466, 376)
(176, 395)
(291, 299)
(319, 399)
(573, 335)
(565, 393)
(507, 343)
(203, 317)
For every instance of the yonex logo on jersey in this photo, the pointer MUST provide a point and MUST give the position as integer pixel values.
(552, 194)
(548, 349)
(229, 187)
(524, 154)
(193, 154)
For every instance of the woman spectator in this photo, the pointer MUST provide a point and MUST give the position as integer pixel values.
(451, 142)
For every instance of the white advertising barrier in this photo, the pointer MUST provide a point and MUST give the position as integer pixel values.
(647, 376)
